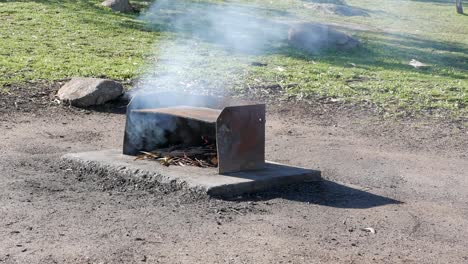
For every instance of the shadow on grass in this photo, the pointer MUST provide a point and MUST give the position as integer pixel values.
(336, 2)
(326, 193)
(182, 18)
(392, 51)
(385, 50)
(337, 7)
(435, 2)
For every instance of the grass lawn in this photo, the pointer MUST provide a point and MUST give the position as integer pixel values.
(52, 40)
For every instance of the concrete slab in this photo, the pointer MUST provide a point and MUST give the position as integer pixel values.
(193, 179)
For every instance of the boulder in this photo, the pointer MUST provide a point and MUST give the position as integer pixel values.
(317, 37)
(119, 5)
(84, 92)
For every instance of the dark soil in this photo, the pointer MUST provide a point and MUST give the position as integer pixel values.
(406, 178)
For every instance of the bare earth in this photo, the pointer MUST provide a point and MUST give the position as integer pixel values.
(407, 179)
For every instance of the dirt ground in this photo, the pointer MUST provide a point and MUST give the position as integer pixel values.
(406, 179)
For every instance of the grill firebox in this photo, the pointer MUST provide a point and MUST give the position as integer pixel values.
(237, 130)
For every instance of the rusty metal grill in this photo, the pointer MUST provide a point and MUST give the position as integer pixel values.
(237, 130)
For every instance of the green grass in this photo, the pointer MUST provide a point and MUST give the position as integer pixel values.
(51, 40)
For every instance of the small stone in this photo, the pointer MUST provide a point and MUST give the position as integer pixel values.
(418, 65)
(84, 92)
(119, 5)
(369, 229)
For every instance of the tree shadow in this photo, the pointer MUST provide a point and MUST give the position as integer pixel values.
(337, 7)
(413, 41)
(384, 50)
(392, 51)
(140, 5)
(326, 193)
(236, 27)
(435, 2)
(336, 2)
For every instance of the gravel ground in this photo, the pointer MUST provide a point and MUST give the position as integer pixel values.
(404, 178)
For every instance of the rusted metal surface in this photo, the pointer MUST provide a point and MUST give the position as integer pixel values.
(148, 130)
(238, 132)
(240, 137)
(196, 113)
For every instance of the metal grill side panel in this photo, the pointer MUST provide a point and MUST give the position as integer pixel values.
(240, 137)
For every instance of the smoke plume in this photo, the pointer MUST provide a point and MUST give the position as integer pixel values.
(187, 60)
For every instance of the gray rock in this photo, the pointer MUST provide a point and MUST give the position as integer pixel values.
(317, 37)
(119, 5)
(84, 92)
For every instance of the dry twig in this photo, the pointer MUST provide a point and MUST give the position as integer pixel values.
(204, 157)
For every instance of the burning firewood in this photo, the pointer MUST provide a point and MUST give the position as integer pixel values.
(204, 157)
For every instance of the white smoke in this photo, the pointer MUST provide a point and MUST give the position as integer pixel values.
(184, 61)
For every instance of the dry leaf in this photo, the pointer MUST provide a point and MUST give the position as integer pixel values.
(149, 155)
(192, 156)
